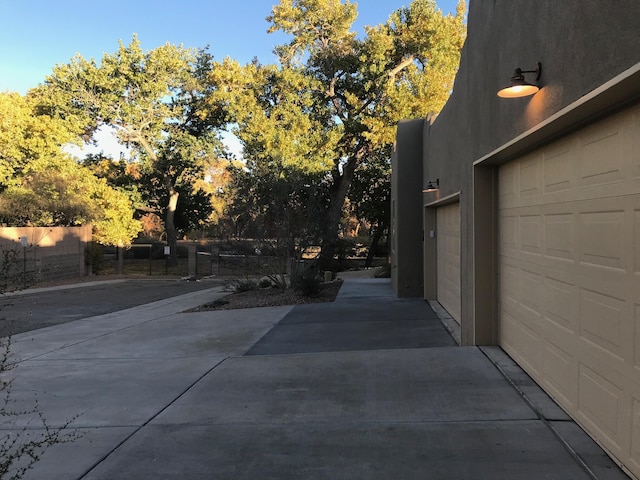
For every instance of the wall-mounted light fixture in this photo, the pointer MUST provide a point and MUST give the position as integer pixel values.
(519, 86)
(432, 186)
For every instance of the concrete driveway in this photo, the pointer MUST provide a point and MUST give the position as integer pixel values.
(35, 308)
(368, 387)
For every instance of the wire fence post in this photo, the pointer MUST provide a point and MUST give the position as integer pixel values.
(24, 241)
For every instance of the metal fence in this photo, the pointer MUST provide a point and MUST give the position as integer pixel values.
(149, 259)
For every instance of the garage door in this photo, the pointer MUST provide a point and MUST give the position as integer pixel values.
(569, 266)
(448, 254)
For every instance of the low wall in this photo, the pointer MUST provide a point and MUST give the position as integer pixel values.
(43, 254)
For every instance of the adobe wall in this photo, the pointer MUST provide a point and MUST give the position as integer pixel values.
(52, 253)
(581, 46)
(406, 208)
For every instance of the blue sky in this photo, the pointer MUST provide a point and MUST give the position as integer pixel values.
(35, 35)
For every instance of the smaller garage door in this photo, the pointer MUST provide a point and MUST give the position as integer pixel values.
(448, 254)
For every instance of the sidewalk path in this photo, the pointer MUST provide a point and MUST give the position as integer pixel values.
(170, 395)
(34, 308)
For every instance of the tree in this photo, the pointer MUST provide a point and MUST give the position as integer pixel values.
(335, 99)
(284, 205)
(27, 136)
(58, 192)
(155, 101)
(370, 194)
(40, 185)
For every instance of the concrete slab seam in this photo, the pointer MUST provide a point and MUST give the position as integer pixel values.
(150, 419)
(354, 423)
(568, 447)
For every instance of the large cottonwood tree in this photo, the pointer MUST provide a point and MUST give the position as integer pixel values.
(335, 98)
(41, 185)
(155, 102)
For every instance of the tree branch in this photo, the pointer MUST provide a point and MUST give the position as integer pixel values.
(401, 66)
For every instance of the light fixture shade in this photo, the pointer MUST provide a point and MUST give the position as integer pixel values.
(432, 186)
(515, 91)
(519, 86)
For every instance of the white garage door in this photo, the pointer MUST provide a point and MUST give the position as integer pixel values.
(448, 254)
(569, 255)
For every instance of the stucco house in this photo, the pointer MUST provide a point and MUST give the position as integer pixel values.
(521, 216)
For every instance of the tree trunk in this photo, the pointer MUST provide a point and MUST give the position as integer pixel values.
(374, 244)
(337, 197)
(170, 227)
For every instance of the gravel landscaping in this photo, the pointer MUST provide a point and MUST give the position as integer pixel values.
(271, 297)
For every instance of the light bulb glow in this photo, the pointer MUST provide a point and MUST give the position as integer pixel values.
(516, 91)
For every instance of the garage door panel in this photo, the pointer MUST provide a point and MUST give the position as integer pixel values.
(633, 144)
(509, 235)
(599, 405)
(557, 165)
(559, 231)
(636, 241)
(561, 369)
(531, 234)
(561, 303)
(507, 190)
(569, 275)
(635, 435)
(448, 258)
(636, 343)
(615, 283)
(525, 347)
(601, 321)
(530, 177)
(530, 291)
(601, 240)
(604, 142)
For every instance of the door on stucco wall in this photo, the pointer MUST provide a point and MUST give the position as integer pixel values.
(569, 276)
(448, 258)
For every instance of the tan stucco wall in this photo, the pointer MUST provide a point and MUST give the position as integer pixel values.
(55, 252)
(406, 208)
(581, 46)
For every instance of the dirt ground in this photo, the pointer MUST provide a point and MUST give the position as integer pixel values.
(271, 297)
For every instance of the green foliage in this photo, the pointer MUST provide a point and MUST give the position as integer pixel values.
(335, 99)
(58, 192)
(42, 186)
(157, 103)
(271, 109)
(266, 204)
(26, 136)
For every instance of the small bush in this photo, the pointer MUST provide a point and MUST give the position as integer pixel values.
(383, 272)
(308, 283)
(265, 283)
